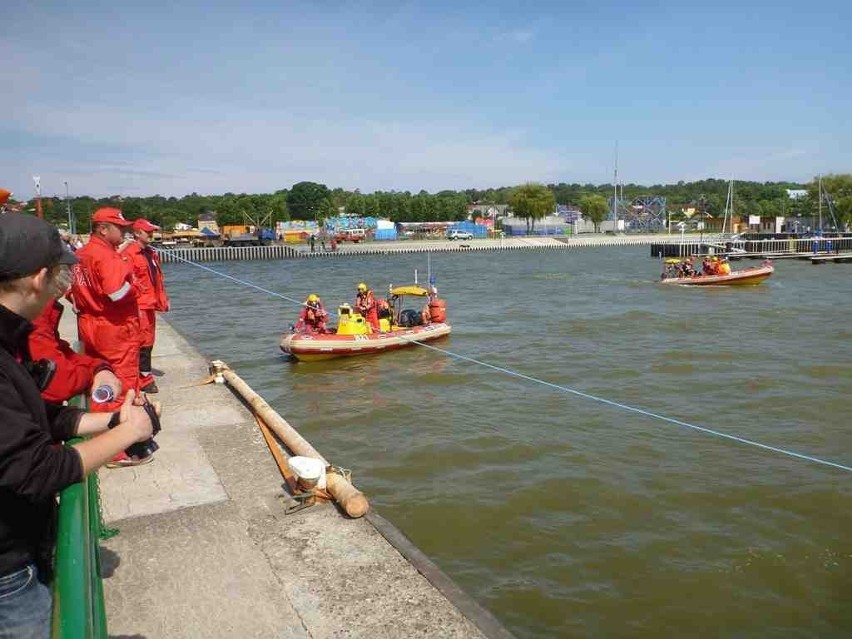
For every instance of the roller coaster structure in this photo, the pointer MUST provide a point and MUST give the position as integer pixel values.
(644, 213)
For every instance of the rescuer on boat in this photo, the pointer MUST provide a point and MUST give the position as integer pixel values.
(365, 304)
(724, 267)
(313, 317)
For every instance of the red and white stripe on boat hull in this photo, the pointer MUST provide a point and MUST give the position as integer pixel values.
(317, 347)
(744, 277)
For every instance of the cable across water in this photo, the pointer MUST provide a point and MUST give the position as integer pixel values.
(564, 389)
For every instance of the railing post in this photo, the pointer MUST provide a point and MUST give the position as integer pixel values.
(72, 588)
(78, 598)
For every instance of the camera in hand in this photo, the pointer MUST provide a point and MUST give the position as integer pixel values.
(141, 450)
(42, 371)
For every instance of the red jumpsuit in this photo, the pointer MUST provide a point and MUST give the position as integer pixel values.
(151, 297)
(312, 319)
(74, 371)
(365, 303)
(107, 312)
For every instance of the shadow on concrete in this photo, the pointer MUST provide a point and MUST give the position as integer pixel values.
(110, 560)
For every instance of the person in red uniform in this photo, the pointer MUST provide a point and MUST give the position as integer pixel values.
(151, 294)
(313, 317)
(105, 299)
(365, 304)
(76, 372)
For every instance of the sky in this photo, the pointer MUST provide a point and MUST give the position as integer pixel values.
(171, 98)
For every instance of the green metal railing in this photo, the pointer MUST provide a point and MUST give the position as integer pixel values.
(78, 594)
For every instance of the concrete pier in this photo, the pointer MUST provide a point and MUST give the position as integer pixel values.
(205, 548)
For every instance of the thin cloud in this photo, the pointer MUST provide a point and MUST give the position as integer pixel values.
(521, 36)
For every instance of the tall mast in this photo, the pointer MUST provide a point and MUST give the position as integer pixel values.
(729, 207)
(615, 192)
(820, 202)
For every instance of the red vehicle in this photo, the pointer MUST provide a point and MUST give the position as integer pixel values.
(350, 235)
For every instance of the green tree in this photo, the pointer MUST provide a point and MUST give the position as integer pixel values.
(309, 201)
(837, 190)
(532, 202)
(595, 208)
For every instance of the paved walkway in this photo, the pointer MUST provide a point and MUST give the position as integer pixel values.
(205, 548)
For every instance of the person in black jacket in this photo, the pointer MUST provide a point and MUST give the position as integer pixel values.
(34, 462)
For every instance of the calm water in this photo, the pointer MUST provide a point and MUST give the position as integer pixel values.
(563, 516)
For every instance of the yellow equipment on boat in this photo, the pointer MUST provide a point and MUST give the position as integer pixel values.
(351, 323)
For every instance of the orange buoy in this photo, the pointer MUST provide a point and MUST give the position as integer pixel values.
(438, 310)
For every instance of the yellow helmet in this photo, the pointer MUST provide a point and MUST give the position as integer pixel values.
(313, 297)
(362, 287)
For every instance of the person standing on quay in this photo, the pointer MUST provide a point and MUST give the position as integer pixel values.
(104, 297)
(34, 463)
(151, 294)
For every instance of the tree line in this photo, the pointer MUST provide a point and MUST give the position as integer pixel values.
(314, 201)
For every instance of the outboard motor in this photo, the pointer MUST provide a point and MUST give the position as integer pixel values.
(409, 317)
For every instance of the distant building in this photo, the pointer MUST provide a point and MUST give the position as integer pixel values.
(208, 221)
(550, 225)
(795, 194)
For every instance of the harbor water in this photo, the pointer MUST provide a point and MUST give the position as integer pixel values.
(563, 515)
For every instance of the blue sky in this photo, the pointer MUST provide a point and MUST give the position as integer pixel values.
(171, 98)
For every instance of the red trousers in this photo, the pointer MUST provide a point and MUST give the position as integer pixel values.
(118, 344)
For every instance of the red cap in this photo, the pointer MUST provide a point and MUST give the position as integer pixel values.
(144, 225)
(110, 216)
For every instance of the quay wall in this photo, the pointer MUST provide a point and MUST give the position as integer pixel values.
(280, 251)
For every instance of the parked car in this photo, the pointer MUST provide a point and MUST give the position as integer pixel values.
(457, 234)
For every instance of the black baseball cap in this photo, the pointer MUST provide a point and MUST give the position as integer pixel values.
(27, 244)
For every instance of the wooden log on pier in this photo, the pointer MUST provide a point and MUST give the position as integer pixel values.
(352, 500)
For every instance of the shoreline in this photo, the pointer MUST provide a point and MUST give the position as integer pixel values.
(399, 247)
